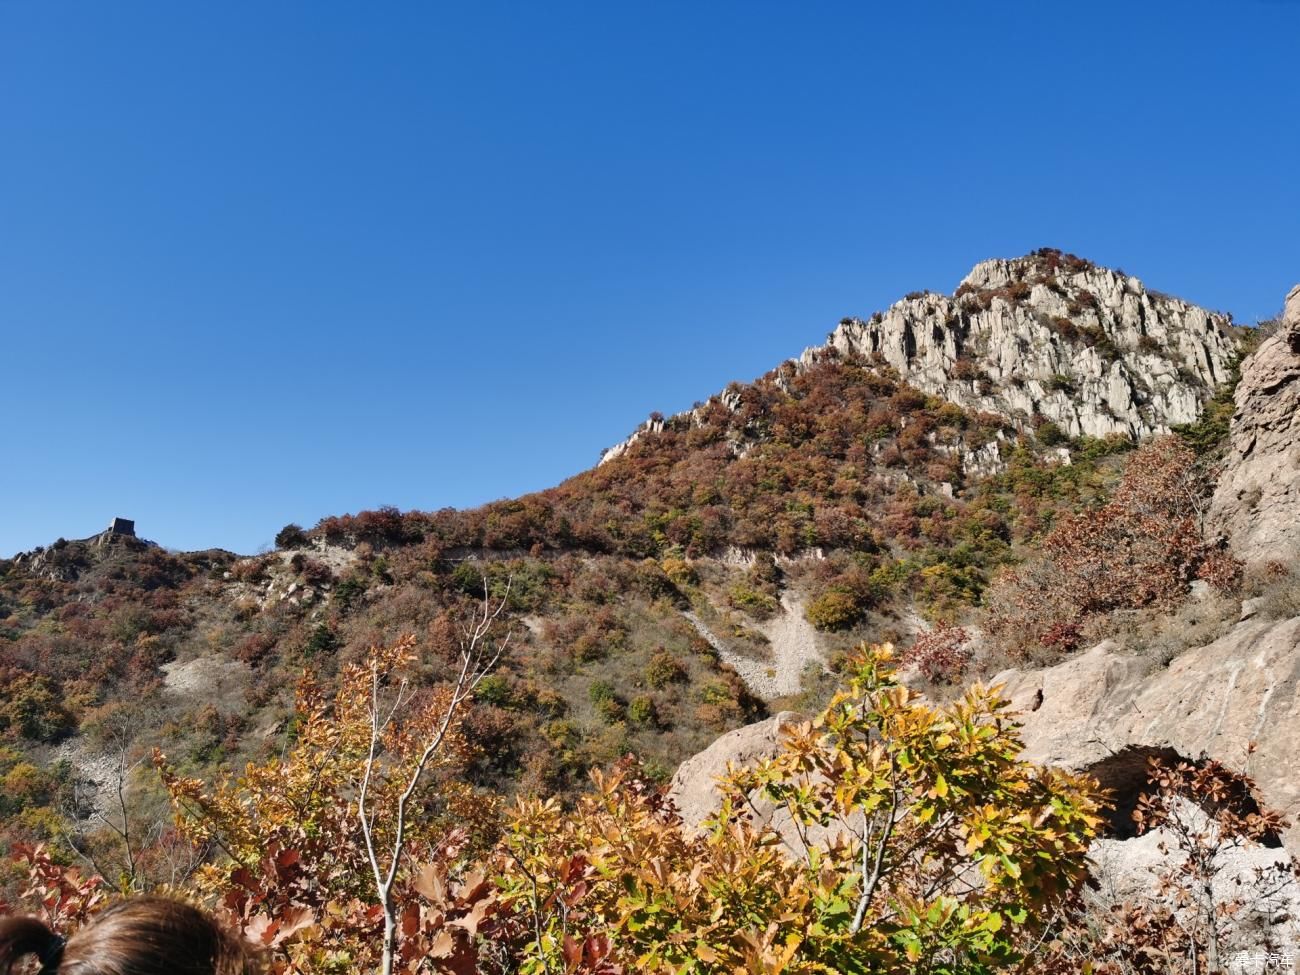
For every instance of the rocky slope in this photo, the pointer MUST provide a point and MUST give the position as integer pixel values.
(689, 586)
(1045, 336)
(1107, 710)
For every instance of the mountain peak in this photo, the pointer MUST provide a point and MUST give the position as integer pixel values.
(1052, 336)
(1044, 338)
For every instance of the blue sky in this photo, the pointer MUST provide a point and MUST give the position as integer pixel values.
(262, 263)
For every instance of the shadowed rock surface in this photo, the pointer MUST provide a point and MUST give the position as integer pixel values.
(1211, 701)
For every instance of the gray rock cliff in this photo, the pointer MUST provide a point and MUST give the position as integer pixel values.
(1257, 501)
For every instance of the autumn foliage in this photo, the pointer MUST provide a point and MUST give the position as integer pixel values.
(1143, 547)
(917, 839)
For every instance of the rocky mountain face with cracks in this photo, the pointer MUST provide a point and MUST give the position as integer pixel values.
(1257, 503)
(1048, 337)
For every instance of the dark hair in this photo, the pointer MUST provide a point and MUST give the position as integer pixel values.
(139, 936)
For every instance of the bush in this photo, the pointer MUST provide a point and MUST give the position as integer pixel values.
(1142, 548)
(941, 654)
(315, 573)
(665, 669)
(348, 593)
(290, 536)
(1050, 435)
(757, 604)
(680, 572)
(611, 710)
(495, 689)
(643, 711)
(835, 610)
(31, 707)
(323, 640)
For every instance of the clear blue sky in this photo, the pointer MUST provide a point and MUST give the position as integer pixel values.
(265, 262)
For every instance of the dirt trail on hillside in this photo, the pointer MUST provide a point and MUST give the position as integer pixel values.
(794, 644)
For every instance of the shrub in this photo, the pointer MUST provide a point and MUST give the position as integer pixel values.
(495, 689)
(322, 641)
(757, 604)
(348, 593)
(255, 648)
(611, 710)
(642, 710)
(1142, 548)
(1050, 435)
(290, 536)
(834, 610)
(941, 654)
(680, 572)
(315, 573)
(31, 707)
(664, 669)
(934, 796)
(717, 692)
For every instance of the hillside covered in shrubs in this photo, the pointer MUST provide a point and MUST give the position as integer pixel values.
(633, 604)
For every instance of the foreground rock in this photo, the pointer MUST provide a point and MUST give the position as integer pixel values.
(694, 788)
(1106, 712)
(1257, 502)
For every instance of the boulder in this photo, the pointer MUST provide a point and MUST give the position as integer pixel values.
(694, 787)
(1107, 711)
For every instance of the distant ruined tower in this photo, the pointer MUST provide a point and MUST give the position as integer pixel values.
(117, 528)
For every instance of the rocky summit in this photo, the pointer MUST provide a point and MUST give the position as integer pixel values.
(1048, 336)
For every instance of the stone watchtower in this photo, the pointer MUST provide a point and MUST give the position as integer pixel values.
(117, 528)
(121, 526)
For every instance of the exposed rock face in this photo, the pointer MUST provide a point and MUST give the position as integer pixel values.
(1106, 712)
(1088, 348)
(1257, 501)
(1046, 335)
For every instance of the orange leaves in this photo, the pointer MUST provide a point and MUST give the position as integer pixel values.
(267, 932)
(915, 832)
(1142, 548)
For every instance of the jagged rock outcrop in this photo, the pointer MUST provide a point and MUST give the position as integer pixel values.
(1107, 711)
(1256, 504)
(1088, 348)
(1044, 336)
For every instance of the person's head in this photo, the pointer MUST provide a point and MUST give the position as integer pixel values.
(140, 936)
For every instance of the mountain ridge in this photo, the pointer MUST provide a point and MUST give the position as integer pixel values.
(1087, 348)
